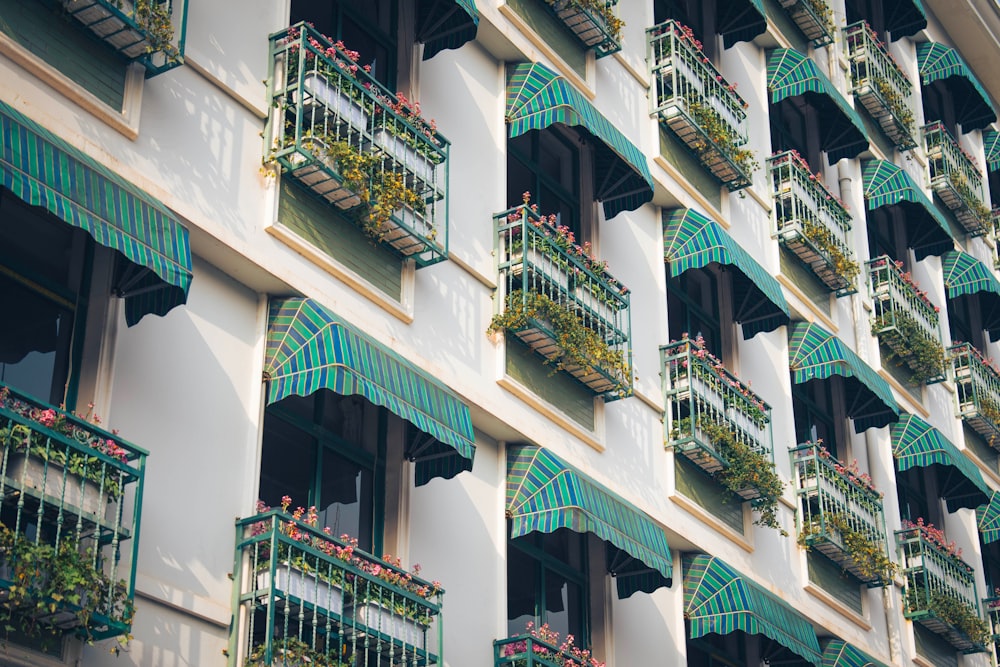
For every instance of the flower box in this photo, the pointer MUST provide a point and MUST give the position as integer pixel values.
(319, 92)
(541, 266)
(593, 307)
(319, 173)
(77, 495)
(416, 165)
(109, 26)
(397, 626)
(310, 589)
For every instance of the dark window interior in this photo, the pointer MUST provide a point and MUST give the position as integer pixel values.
(939, 105)
(699, 15)
(794, 126)
(812, 405)
(693, 308)
(885, 236)
(547, 164)
(867, 10)
(715, 650)
(916, 501)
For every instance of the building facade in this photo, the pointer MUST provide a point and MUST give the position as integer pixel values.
(662, 324)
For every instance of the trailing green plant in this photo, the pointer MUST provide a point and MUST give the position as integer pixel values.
(722, 137)
(746, 467)
(155, 19)
(908, 342)
(897, 104)
(952, 610)
(824, 240)
(867, 552)
(821, 9)
(969, 196)
(579, 345)
(293, 652)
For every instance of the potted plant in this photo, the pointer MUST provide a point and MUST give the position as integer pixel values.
(543, 646)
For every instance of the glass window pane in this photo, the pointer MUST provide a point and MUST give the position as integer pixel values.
(287, 464)
(522, 584)
(564, 605)
(346, 498)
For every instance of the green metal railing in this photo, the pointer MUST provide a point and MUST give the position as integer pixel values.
(302, 597)
(698, 105)
(597, 27)
(69, 520)
(530, 651)
(937, 581)
(977, 390)
(904, 320)
(880, 84)
(357, 145)
(812, 223)
(814, 18)
(153, 34)
(992, 607)
(956, 179)
(702, 399)
(995, 227)
(566, 298)
(841, 516)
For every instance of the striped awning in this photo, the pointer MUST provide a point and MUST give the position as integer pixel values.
(917, 443)
(838, 653)
(816, 354)
(43, 170)
(445, 24)
(740, 20)
(309, 348)
(791, 74)
(991, 147)
(966, 275)
(693, 241)
(888, 185)
(937, 62)
(988, 517)
(537, 97)
(904, 17)
(719, 599)
(544, 494)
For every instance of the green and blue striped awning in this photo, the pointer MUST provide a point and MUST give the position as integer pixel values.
(966, 275)
(445, 24)
(309, 348)
(988, 517)
(43, 170)
(991, 147)
(917, 443)
(740, 20)
(816, 354)
(838, 653)
(693, 241)
(544, 494)
(888, 185)
(719, 599)
(937, 62)
(791, 74)
(904, 18)
(537, 97)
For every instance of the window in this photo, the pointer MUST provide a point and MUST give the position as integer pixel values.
(812, 405)
(794, 126)
(871, 11)
(915, 496)
(546, 163)
(965, 321)
(369, 27)
(326, 450)
(699, 15)
(693, 308)
(547, 583)
(939, 106)
(43, 264)
(714, 650)
(885, 236)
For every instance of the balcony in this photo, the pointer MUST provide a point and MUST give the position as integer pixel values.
(956, 179)
(992, 607)
(357, 145)
(69, 523)
(563, 303)
(812, 223)
(596, 24)
(303, 597)
(814, 18)
(841, 514)
(713, 416)
(149, 31)
(905, 321)
(698, 105)
(940, 589)
(977, 388)
(881, 85)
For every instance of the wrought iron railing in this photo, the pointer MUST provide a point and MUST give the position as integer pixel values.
(357, 145)
(595, 24)
(812, 223)
(841, 514)
(705, 404)
(940, 589)
(956, 179)
(149, 31)
(880, 84)
(69, 521)
(302, 597)
(530, 651)
(977, 390)
(563, 303)
(905, 320)
(693, 99)
(814, 18)
(992, 607)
